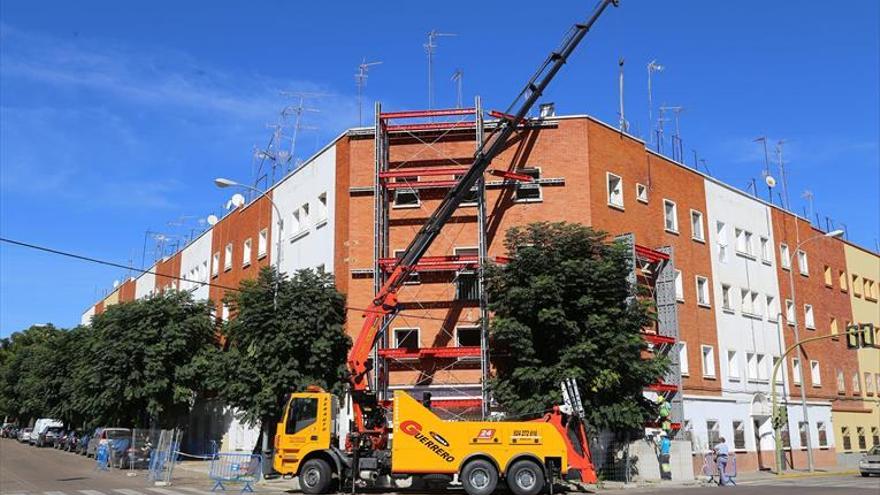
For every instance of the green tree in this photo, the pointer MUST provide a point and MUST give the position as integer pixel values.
(137, 360)
(28, 371)
(564, 308)
(272, 351)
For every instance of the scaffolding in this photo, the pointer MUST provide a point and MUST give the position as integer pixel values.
(654, 270)
(430, 166)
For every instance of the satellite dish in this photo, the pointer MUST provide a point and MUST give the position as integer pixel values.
(237, 200)
(212, 220)
(771, 182)
(115, 284)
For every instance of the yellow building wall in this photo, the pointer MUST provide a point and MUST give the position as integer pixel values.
(865, 309)
(111, 299)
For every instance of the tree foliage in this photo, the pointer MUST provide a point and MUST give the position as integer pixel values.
(270, 352)
(564, 308)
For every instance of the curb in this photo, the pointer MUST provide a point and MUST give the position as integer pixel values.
(815, 474)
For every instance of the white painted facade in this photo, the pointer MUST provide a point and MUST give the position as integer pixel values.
(86, 318)
(195, 266)
(306, 202)
(145, 285)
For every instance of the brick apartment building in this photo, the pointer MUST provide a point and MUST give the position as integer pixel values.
(729, 251)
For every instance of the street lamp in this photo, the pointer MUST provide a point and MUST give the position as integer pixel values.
(797, 339)
(223, 183)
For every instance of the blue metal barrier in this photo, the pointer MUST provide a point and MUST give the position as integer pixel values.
(235, 468)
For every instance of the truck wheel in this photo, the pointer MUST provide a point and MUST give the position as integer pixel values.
(479, 477)
(315, 476)
(525, 477)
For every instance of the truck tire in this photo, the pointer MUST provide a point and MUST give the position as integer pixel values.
(525, 477)
(315, 476)
(479, 477)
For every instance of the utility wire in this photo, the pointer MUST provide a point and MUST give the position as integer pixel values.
(175, 277)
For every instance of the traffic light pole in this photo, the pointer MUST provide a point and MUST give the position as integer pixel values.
(778, 419)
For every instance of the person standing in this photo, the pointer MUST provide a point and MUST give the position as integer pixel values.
(722, 454)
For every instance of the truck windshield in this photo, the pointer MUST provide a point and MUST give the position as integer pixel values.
(302, 414)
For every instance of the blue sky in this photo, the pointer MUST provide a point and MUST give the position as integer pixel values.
(116, 116)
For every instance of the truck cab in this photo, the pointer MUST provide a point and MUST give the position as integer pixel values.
(308, 428)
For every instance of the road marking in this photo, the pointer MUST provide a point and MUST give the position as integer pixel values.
(165, 491)
(90, 492)
(196, 490)
(54, 493)
(127, 491)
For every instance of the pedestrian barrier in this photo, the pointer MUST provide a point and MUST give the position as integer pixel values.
(710, 467)
(163, 456)
(227, 467)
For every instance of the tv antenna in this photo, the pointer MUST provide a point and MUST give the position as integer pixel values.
(677, 150)
(787, 203)
(361, 81)
(768, 178)
(653, 67)
(456, 78)
(430, 46)
(624, 127)
(808, 195)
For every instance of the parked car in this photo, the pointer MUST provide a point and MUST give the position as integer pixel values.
(48, 436)
(70, 441)
(117, 438)
(82, 443)
(870, 463)
(24, 435)
(9, 430)
(41, 426)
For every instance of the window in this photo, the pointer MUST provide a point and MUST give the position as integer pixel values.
(875, 435)
(766, 254)
(224, 312)
(472, 198)
(786, 435)
(779, 373)
(304, 209)
(870, 289)
(841, 383)
(809, 319)
(246, 252)
(745, 297)
(804, 430)
(796, 371)
(847, 441)
(528, 191)
(789, 311)
(713, 431)
(406, 196)
(726, 303)
(856, 385)
(708, 361)
(406, 338)
(763, 372)
(679, 286)
(869, 384)
(670, 216)
(802, 263)
(815, 374)
(860, 434)
(642, 193)
(702, 291)
(752, 364)
(732, 365)
(856, 286)
(833, 326)
(772, 310)
(262, 243)
(721, 229)
(215, 264)
(322, 207)
(615, 190)
(784, 257)
(227, 258)
(467, 336)
(467, 285)
(841, 279)
(827, 274)
(203, 272)
(744, 242)
(757, 310)
(739, 435)
(697, 226)
(303, 413)
(683, 358)
(414, 277)
(297, 221)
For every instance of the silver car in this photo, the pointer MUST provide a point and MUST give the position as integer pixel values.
(870, 463)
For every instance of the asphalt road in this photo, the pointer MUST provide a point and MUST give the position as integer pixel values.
(26, 470)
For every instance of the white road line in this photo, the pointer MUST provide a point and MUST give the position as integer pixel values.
(90, 492)
(165, 491)
(54, 493)
(127, 491)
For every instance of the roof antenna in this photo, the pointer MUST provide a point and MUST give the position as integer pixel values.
(624, 126)
(766, 172)
(456, 78)
(808, 195)
(429, 48)
(779, 145)
(653, 66)
(361, 81)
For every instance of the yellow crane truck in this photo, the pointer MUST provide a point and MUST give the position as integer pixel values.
(366, 440)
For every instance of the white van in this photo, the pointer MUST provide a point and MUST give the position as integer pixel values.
(41, 426)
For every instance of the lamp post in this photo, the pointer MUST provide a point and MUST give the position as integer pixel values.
(224, 183)
(801, 356)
